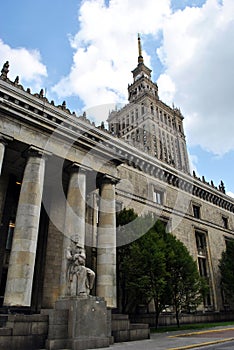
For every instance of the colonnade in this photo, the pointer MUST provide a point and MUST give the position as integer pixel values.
(19, 284)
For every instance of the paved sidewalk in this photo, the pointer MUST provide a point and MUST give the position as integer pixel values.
(179, 340)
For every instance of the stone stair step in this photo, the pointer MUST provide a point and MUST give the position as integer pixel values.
(5, 331)
(119, 317)
(3, 320)
(139, 326)
(123, 330)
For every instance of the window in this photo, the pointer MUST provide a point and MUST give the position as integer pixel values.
(137, 135)
(127, 122)
(202, 267)
(201, 243)
(169, 121)
(225, 222)
(136, 114)
(196, 211)
(203, 264)
(158, 196)
(160, 116)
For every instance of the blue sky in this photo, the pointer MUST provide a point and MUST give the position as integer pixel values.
(83, 52)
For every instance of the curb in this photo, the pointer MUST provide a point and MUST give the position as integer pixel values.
(202, 332)
(199, 345)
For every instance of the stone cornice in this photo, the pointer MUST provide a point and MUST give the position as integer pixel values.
(166, 211)
(184, 182)
(34, 110)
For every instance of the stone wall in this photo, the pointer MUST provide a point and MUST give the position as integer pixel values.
(135, 190)
(24, 332)
(170, 320)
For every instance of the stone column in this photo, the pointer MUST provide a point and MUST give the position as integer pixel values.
(75, 216)
(3, 142)
(92, 216)
(106, 242)
(76, 202)
(22, 259)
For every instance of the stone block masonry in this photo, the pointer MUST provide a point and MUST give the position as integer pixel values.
(24, 332)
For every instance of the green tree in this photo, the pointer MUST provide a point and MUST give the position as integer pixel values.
(129, 228)
(145, 271)
(158, 267)
(186, 287)
(226, 266)
(123, 218)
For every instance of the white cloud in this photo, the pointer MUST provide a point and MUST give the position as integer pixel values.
(106, 48)
(27, 62)
(230, 194)
(167, 88)
(193, 162)
(198, 54)
(196, 51)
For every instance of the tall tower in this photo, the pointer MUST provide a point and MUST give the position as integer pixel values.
(149, 124)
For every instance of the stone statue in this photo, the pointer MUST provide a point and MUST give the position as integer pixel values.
(16, 81)
(5, 70)
(41, 94)
(80, 278)
(222, 187)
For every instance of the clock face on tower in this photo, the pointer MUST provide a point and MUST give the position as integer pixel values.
(139, 76)
(146, 76)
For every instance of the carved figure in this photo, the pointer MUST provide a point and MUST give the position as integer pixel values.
(80, 278)
(41, 94)
(16, 82)
(222, 187)
(5, 70)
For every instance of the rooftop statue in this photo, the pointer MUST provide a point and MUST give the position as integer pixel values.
(5, 70)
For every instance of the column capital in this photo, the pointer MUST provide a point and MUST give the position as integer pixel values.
(76, 167)
(108, 179)
(33, 151)
(4, 139)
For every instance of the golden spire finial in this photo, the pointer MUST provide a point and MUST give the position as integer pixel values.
(140, 57)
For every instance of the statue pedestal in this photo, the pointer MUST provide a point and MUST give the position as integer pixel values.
(79, 323)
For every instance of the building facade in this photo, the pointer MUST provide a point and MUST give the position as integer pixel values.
(149, 124)
(62, 177)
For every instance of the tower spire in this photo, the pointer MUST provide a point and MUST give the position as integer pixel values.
(140, 57)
